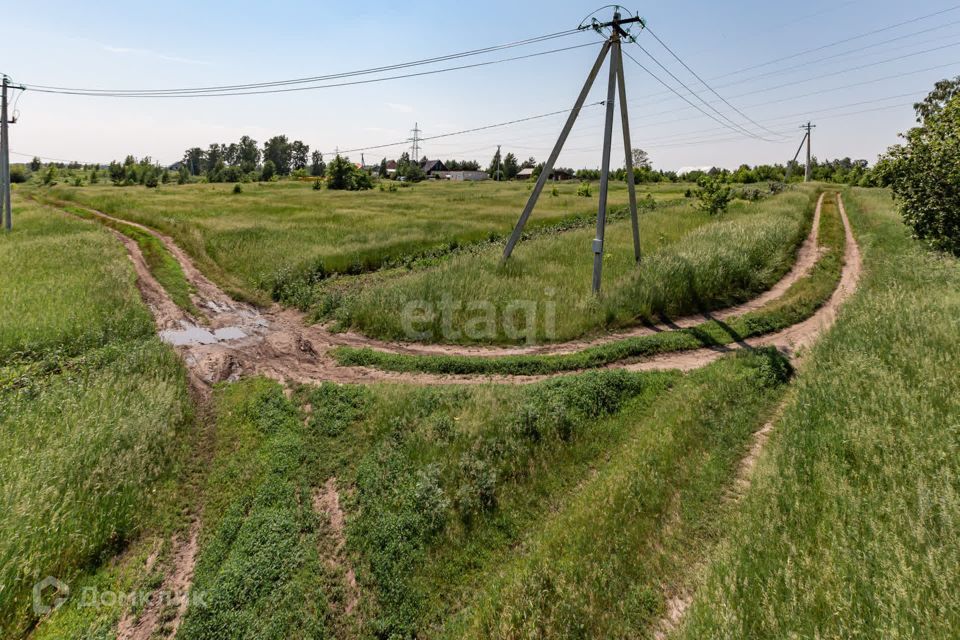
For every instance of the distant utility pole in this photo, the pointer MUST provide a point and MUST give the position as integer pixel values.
(416, 142)
(809, 127)
(498, 163)
(615, 81)
(6, 211)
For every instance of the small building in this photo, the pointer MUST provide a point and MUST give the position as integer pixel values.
(433, 168)
(391, 168)
(466, 176)
(557, 175)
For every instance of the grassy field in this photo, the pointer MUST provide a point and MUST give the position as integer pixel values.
(692, 262)
(275, 236)
(851, 529)
(94, 411)
(799, 302)
(445, 489)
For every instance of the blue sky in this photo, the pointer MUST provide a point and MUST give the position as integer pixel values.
(177, 44)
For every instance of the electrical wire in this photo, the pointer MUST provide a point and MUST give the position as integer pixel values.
(463, 131)
(704, 82)
(332, 76)
(685, 99)
(314, 87)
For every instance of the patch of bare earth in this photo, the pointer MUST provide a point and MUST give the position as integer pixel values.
(326, 501)
(164, 611)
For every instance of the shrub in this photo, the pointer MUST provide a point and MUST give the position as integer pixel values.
(317, 184)
(584, 190)
(269, 170)
(18, 175)
(713, 195)
(237, 188)
(555, 192)
(151, 181)
(924, 173)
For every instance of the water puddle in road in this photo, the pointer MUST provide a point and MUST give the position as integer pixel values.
(191, 334)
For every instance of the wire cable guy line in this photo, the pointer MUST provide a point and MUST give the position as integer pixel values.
(252, 88)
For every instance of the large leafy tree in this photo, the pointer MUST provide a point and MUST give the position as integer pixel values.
(510, 166)
(924, 172)
(194, 159)
(317, 166)
(299, 155)
(248, 154)
(277, 150)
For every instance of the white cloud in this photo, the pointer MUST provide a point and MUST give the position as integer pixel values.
(147, 53)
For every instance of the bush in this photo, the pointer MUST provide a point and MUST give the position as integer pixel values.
(237, 188)
(343, 175)
(584, 190)
(269, 170)
(714, 195)
(924, 173)
(317, 184)
(18, 175)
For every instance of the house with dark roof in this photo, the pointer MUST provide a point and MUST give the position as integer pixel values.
(433, 168)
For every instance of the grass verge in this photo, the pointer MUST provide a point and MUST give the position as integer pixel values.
(693, 262)
(94, 410)
(799, 302)
(851, 527)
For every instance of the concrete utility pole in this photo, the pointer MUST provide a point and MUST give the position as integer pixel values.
(5, 211)
(809, 127)
(498, 163)
(610, 46)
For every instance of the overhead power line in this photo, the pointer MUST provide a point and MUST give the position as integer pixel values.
(310, 79)
(704, 82)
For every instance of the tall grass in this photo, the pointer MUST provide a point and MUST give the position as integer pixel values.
(798, 303)
(92, 407)
(851, 528)
(251, 242)
(691, 263)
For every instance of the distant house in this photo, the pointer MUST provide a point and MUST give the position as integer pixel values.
(468, 176)
(556, 174)
(433, 168)
(391, 168)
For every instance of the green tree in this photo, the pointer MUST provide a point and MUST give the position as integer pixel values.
(641, 159)
(35, 164)
(496, 166)
(339, 173)
(924, 172)
(317, 166)
(194, 160)
(183, 174)
(299, 155)
(18, 174)
(277, 150)
(382, 170)
(510, 167)
(94, 176)
(248, 154)
(269, 170)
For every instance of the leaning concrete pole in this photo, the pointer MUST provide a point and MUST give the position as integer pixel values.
(605, 168)
(548, 166)
(628, 149)
(808, 172)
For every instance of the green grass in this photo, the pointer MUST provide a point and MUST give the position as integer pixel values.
(160, 261)
(259, 573)
(595, 567)
(692, 262)
(444, 487)
(256, 243)
(94, 410)
(67, 287)
(799, 302)
(851, 528)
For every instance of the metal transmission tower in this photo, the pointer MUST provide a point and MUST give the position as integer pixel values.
(6, 211)
(614, 32)
(416, 142)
